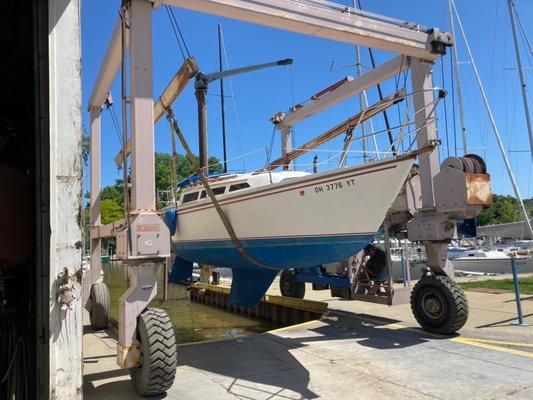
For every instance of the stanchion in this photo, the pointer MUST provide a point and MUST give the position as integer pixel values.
(520, 321)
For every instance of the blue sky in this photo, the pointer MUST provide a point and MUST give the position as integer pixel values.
(257, 96)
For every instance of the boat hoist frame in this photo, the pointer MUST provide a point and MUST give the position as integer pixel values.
(142, 235)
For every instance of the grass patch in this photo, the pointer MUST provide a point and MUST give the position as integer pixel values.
(526, 284)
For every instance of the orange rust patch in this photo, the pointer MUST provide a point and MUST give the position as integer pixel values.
(478, 188)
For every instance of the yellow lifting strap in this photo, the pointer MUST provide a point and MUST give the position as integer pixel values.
(223, 217)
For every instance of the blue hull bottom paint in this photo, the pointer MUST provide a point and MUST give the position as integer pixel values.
(250, 282)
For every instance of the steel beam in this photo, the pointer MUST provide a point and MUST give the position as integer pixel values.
(107, 230)
(187, 71)
(422, 83)
(345, 91)
(350, 123)
(142, 107)
(139, 294)
(286, 146)
(108, 69)
(94, 211)
(330, 21)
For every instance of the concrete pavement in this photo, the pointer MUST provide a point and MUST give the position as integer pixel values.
(491, 314)
(358, 351)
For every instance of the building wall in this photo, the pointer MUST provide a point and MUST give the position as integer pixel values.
(65, 195)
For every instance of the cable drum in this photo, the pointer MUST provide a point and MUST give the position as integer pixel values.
(480, 167)
(468, 165)
(453, 162)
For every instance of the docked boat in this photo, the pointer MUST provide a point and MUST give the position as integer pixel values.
(488, 261)
(284, 220)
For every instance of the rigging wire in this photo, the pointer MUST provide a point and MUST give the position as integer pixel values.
(177, 32)
(493, 122)
(396, 84)
(124, 105)
(271, 146)
(233, 102)
(167, 8)
(114, 118)
(522, 29)
(445, 110)
(293, 130)
(454, 119)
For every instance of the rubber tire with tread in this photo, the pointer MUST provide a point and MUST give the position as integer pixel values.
(156, 373)
(99, 311)
(455, 311)
(288, 285)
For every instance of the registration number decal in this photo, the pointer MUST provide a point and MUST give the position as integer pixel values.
(327, 187)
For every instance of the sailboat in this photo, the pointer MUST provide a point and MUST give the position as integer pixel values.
(283, 219)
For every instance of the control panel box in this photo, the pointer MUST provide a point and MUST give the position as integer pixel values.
(146, 237)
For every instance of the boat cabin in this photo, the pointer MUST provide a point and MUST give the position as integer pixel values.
(232, 183)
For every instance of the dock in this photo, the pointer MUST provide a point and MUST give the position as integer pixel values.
(356, 351)
(274, 307)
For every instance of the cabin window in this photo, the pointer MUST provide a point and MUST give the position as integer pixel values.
(188, 197)
(216, 192)
(238, 186)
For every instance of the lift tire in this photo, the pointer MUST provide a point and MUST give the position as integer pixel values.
(289, 286)
(156, 373)
(99, 309)
(439, 304)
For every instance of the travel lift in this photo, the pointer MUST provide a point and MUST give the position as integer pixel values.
(146, 344)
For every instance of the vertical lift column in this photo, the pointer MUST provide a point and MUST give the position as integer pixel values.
(95, 292)
(422, 85)
(146, 343)
(458, 188)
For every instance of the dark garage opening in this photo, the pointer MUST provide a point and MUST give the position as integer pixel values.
(24, 182)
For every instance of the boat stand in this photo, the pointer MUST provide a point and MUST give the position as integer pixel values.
(341, 284)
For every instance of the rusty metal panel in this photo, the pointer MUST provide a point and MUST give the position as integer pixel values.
(478, 189)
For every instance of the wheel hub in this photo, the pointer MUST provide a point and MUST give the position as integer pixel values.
(287, 285)
(433, 305)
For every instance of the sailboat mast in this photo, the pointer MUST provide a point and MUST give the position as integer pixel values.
(222, 105)
(362, 99)
(521, 74)
(455, 62)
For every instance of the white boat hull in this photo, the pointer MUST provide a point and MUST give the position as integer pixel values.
(301, 222)
(344, 202)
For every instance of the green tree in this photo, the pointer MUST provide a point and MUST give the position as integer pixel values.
(528, 203)
(85, 148)
(163, 169)
(184, 169)
(112, 196)
(113, 192)
(111, 211)
(503, 209)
